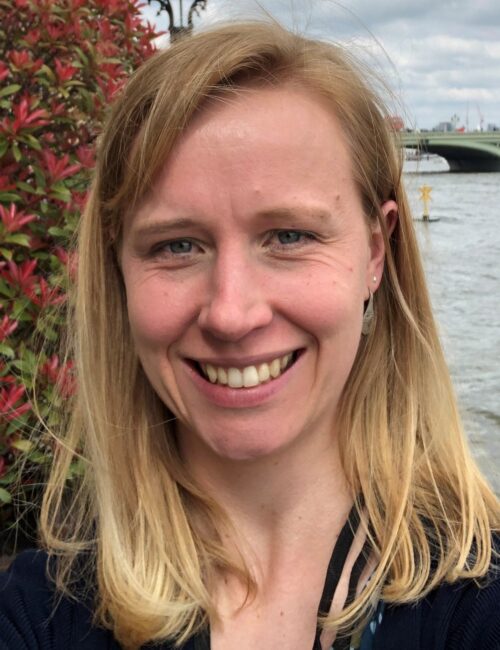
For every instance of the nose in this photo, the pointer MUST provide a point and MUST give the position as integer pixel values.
(236, 303)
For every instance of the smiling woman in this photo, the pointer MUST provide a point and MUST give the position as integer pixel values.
(274, 454)
(261, 258)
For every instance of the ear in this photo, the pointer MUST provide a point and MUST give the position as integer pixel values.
(375, 269)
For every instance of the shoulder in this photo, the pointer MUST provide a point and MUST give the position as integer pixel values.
(460, 616)
(33, 616)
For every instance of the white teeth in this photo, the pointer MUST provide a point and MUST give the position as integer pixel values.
(212, 373)
(264, 373)
(249, 376)
(221, 376)
(275, 368)
(284, 361)
(234, 378)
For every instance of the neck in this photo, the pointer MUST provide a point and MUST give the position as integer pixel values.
(281, 504)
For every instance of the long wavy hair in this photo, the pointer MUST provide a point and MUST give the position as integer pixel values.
(152, 538)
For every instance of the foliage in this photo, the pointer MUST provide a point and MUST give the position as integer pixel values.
(61, 63)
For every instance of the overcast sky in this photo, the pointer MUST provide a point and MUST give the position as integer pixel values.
(441, 57)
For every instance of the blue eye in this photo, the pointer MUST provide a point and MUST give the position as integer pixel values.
(289, 236)
(180, 246)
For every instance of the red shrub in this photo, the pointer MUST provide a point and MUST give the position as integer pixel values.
(61, 62)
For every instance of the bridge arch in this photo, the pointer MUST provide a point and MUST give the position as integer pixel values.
(464, 152)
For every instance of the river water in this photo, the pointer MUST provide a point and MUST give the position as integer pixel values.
(461, 254)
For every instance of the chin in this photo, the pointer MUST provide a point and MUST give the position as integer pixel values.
(243, 445)
(242, 453)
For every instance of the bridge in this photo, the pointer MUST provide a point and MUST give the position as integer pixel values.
(478, 151)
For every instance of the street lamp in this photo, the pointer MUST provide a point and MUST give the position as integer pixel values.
(176, 31)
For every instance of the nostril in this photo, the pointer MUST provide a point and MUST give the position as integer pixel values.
(232, 320)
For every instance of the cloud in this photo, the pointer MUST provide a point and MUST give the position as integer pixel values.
(439, 55)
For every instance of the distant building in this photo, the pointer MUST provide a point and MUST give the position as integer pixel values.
(444, 126)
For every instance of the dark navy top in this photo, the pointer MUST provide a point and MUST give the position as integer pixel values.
(462, 616)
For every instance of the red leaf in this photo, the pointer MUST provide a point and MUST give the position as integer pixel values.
(7, 326)
(4, 71)
(9, 397)
(59, 168)
(64, 71)
(44, 295)
(62, 377)
(21, 275)
(14, 220)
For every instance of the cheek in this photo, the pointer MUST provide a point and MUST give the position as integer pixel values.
(327, 301)
(157, 313)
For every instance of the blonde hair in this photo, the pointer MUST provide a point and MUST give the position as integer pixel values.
(153, 538)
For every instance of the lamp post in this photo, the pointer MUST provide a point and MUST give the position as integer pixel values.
(177, 31)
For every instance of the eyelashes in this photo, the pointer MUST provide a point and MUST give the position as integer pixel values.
(285, 238)
(186, 250)
(292, 238)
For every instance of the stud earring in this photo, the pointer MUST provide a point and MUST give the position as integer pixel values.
(374, 278)
(368, 316)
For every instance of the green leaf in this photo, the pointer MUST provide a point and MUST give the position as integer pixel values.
(55, 231)
(6, 351)
(8, 479)
(26, 187)
(77, 468)
(19, 424)
(83, 57)
(4, 146)
(45, 70)
(9, 197)
(5, 497)
(29, 358)
(6, 253)
(60, 193)
(73, 83)
(19, 309)
(18, 238)
(16, 152)
(31, 141)
(49, 333)
(40, 177)
(6, 289)
(9, 90)
(22, 444)
(39, 458)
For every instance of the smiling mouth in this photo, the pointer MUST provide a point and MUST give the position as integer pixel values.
(249, 376)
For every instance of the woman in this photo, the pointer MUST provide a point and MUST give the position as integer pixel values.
(273, 452)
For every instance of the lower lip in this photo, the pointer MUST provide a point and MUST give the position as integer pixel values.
(242, 397)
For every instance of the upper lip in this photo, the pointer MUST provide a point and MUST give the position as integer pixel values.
(242, 362)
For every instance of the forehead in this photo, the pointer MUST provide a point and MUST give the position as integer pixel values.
(265, 122)
(256, 149)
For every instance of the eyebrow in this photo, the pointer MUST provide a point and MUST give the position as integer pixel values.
(165, 225)
(272, 214)
(298, 212)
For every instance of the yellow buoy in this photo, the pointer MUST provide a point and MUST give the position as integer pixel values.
(425, 197)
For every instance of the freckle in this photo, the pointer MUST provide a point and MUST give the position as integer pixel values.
(282, 613)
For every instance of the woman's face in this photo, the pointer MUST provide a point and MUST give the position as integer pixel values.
(246, 269)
